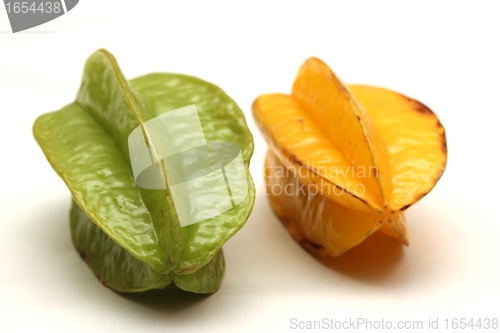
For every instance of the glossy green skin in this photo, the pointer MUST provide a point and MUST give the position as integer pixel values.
(129, 236)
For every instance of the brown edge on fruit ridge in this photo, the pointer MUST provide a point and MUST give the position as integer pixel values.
(417, 105)
(405, 207)
(299, 237)
(311, 247)
(444, 146)
(83, 256)
(81, 253)
(424, 109)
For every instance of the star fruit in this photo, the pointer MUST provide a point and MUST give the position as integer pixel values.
(345, 161)
(128, 235)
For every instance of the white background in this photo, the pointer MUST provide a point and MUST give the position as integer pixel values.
(444, 53)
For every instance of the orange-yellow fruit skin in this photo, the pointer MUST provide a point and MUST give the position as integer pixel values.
(344, 121)
(320, 225)
(413, 136)
(333, 140)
